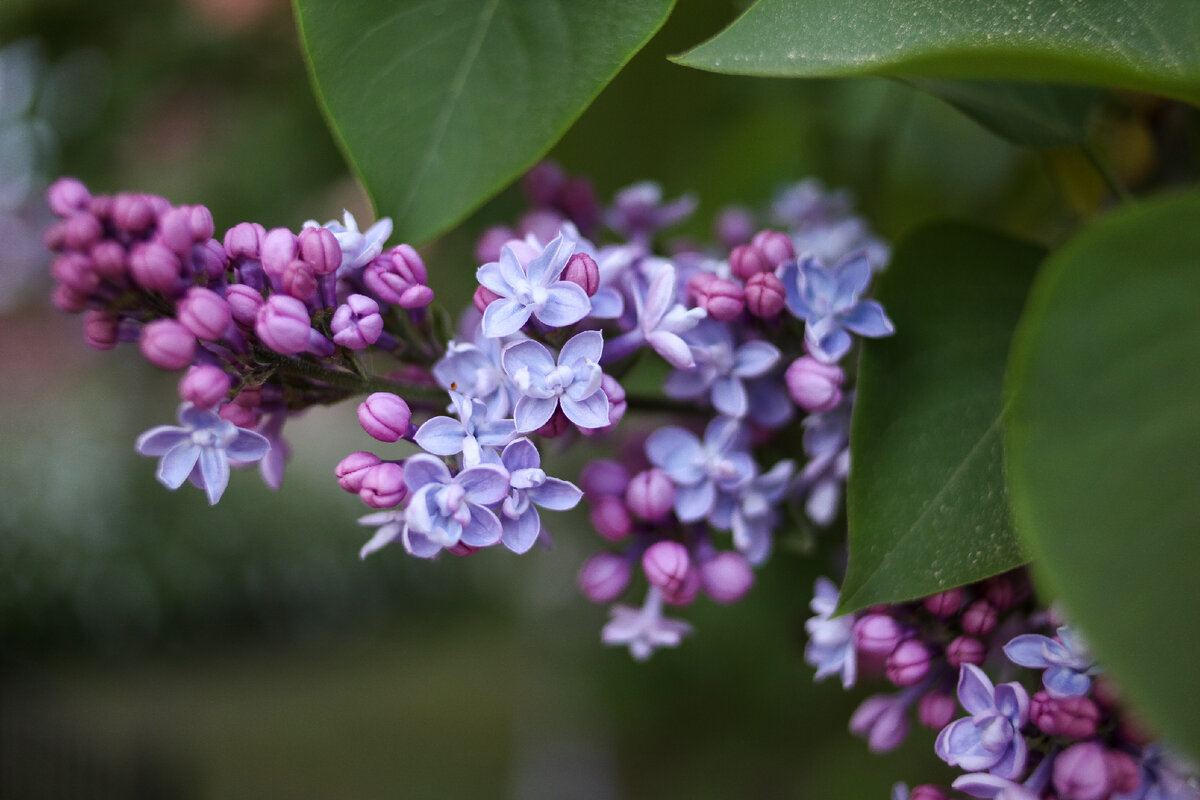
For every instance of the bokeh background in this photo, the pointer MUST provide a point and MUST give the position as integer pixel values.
(153, 647)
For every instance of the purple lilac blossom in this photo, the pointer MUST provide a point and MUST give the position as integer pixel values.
(830, 647)
(639, 211)
(390, 529)
(752, 511)
(532, 289)
(447, 509)
(358, 247)
(700, 468)
(469, 434)
(992, 787)
(529, 487)
(882, 719)
(827, 299)
(990, 739)
(660, 320)
(573, 382)
(1163, 777)
(644, 629)
(1067, 663)
(720, 369)
(200, 448)
(827, 444)
(475, 370)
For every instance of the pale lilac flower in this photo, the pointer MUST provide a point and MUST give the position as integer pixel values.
(882, 719)
(827, 299)
(830, 647)
(993, 787)
(644, 629)
(639, 211)
(574, 382)
(446, 509)
(660, 320)
(469, 434)
(827, 444)
(358, 247)
(990, 739)
(699, 468)
(201, 449)
(529, 487)
(1067, 663)
(752, 511)
(391, 529)
(532, 289)
(720, 369)
(475, 370)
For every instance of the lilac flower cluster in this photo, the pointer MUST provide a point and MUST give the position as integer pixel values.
(1058, 731)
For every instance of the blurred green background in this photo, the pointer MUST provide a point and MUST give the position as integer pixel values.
(153, 647)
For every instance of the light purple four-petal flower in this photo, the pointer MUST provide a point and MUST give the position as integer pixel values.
(990, 739)
(1067, 663)
(446, 509)
(529, 487)
(827, 299)
(532, 289)
(574, 382)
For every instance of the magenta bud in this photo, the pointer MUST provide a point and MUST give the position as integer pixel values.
(76, 271)
(1076, 717)
(979, 618)
(492, 241)
(966, 650)
(556, 426)
(239, 415)
(697, 286)
(54, 237)
(726, 577)
(582, 270)
(204, 312)
(245, 240)
(320, 248)
(943, 604)
(617, 404)
(666, 565)
(543, 183)
(686, 591)
(351, 470)
(109, 258)
(209, 259)
(1000, 592)
(604, 478)
(204, 386)
(382, 486)
(936, 709)
(357, 324)
(200, 223)
(650, 495)
(100, 329)
(67, 195)
(154, 267)
(279, 249)
(877, 635)
(384, 416)
(244, 302)
(723, 299)
(167, 344)
(604, 577)
(765, 295)
(483, 298)
(174, 230)
(283, 324)
(462, 549)
(132, 213)
(1124, 771)
(67, 299)
(81, 230)
(814, 386)
(775, 247)
(578, 200)
(745, 261)
(734, 226)
(927, 791)
(909, 663)
(1081, 773)
(610, 518)
(298, 280)
(398, 276)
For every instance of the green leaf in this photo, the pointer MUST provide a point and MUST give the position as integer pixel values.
(1152, 46)
(1103, 448)
(439, 104)
(1028, 114)
(926, 501)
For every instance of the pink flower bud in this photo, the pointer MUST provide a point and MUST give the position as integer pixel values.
(174, 230)
(200, 223)
(734, 225)
(666, 565)
(722, 299)
(1124, 771)
(208, 258)
(154, 267)
(582, 270)
(650, 495)
(726, 577)
(67, 299)
(204, 312)
(578, 200)
(245, 240)
(298, 280)
(239, 415)
(483, 298)
(877, 635)
(351, 470)
(76, 271)
(775, 247)
(543, 183)
(133, 213)
(108, 256)
(610, 518)
(384, 416)
(943, 604)
(979, 618)
(1000, 592)
(81, 230)
(66, 196)
(283, 324)
(357, 323)
(543, 223)
(765, 295)
(204, 386)
(814, 386)
(685, 592)
(167, 344)
(617, 405)
(320, 248)
(927, 791)
(279, 249)
(966, 650)
(936, 709)
(1081, 773)
(244, 302)
(604, 577)
(603, 478)
(556, 426)
(100, 329)
(383, 485)
(398, 276)
(490, 244)
(462, 549)
(1076, 717)
(746, 261)
(909, 663)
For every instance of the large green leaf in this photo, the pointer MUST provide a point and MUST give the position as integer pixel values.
(1152, 46)
(1103, 448)
(1029, 114)
(439, 104)
(926, 500)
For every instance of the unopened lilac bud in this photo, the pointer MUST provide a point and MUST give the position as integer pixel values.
(604, 577)
(54, 238)
(204, 312)
(943, 604)
(650, 495)
(726, 577)
(979, 618)
(174, 230)
(298, 280)
(775, 247)
(239, 415)
(483, 298)
(81, 230)
(154, 267)
(927, 791)
(382, 485)
(245, 240)
(399, 276)
(76, 271)
(734, 226)
(617, 403)
(765, 295)
(610, 518)
(319, 247)
(556, 426)
(204, 386)
(722, 299)
(936, 709)
(108, 256)
(132, 213)
(1076, 717)
(909, 663)
(1081, 773)
(582, 270)
(966, 650)
(1123, 770)
(67, 299)
(462, 549)
(492, 242)
(351, 470)
(66, 196)
(200, 223)
(543, 223)
(208, 258)
(666, 564)
(746, 261)
(100, 329)
(357, 323)
(604, 478)
(877, 635)
(384, 416)
(244, 302)
(814, 386)
(685, 592)
(578, 200)
(167, 344)
(279, 249)
(1000, 592)
(543, 183)
(283, 324)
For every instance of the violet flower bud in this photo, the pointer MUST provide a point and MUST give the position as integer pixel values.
(909, 663)
(734, 226)
(775, 247)
(604, 577)
(610, 518)
(927, 791)
(1075, 716)
(76, 271)
(556, 426)
(765, 295)
(745, 261)
(382, 485)
(723, 299)
(67, 195)
(578, 200)
(966, 650)
(814, 386)
(204, 312)
(936, 709)
(244, 302)
(1124, 771)
(100, 329)
(167, 344)
(67, 299)
(208, 258)
(245, 240)
(726, 577)
(108, 256)
(1081, 773)
(1000, 592)
(617, 404)
(283, 324)
(484, 297)
(279, 248)
(239, 415)
(398, 276)
(53, 238)
(132, 213)
(174, 230)
(385, 416)
(320, 248)
(200, 223)
(666, 565)
(351, 470)
(650, 495)
(686, 591)
(979, 618)
(357, 323)
(204, 386)
(490, 244)
(543, 223)
(154, 267)
(604, 477)
(543, 183)
(298, 280)
(81, 230)
(583, 270)
(943, 604)
(877, 635)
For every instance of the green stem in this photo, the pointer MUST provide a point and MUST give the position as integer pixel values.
(1100, 162)
(348, 380)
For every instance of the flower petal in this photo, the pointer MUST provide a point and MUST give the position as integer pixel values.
(248, 446)
(672, 348)
(692, 503)
(867, 318)
(485, 484)
(975, 690)
(421, 470)
(754, 359)
(587, 346)
(157, 441)
(556, 494)
(590, 412)
(519, 534)
(532, 413)
(504, 317)
(441, 436)
(214, 468)
(484, 529)
(566, 304)
(177, 464)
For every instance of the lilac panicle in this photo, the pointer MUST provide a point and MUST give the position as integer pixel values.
(533, 289)
(827, 299)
